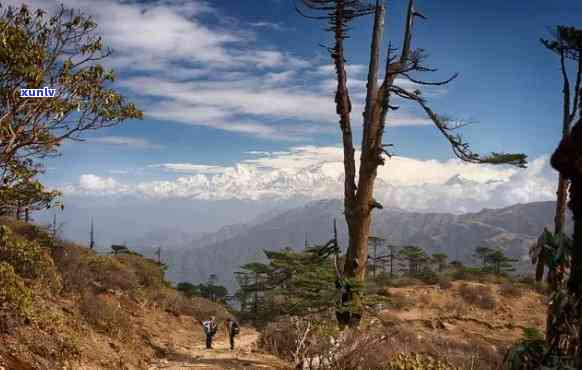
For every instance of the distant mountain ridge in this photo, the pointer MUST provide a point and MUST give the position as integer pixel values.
(512, 228)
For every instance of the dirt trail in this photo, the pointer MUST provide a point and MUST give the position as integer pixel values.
(220, 357)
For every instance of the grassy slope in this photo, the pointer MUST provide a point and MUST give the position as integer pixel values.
(86, 311)
(467, 324)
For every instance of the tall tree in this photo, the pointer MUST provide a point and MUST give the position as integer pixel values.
(61, 52)
(359, 201)
(500, 263)
(483, 255)
(440, 259)
(413, 259)
(568, 46)
(375, 242)
(567, 303)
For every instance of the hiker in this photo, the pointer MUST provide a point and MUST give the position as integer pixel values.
(210, 329)
(232, 330)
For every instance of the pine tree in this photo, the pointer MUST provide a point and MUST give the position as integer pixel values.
(440, 259)
(500, 263)
(413, 260)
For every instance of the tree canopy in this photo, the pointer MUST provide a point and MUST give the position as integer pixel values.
(62, 52)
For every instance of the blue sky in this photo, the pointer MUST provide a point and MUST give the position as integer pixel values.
(220, 79)
(238, 102)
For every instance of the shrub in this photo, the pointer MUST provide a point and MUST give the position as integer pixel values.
(468, 273)
(528, 352)
(428, 277)
(14, 295)
(28, 259)
(510, 290)
(111, 274)
(299, 340)
(445, 283)
(479, 295)
(148, 272)
(106, 316)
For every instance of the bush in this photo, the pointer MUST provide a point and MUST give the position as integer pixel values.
(106, 316)
(428, 277)
(510, 290)
(14, 295)
(528, 352)
(468, 273)
(445, 283)
(299, 339)
(478, 295)
(28, 259)
(147, 271)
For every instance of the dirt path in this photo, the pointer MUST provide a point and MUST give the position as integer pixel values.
(221, 357)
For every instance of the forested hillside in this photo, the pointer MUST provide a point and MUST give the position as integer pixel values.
(513, 229)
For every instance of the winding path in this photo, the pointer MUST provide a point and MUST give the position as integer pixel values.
(221, 357)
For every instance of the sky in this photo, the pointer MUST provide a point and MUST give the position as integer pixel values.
(238, 103)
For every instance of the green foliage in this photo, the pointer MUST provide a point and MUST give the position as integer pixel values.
(211, 291)
(291, 283)
(494, 260)
(14, 294)
(416, 361)
(414, 260)
(440, 259)
(20, 192)
(188, 289)
(28, 258)
(60, 51)
(528, 353)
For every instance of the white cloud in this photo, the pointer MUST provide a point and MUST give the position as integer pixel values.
(125, 141)
(188, 168)
(93, 183)
(269, 26)
(309, 172)
(185, 70)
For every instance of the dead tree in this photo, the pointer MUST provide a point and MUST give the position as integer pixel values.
(359, 199)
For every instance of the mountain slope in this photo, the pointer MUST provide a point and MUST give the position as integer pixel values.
(513, 228)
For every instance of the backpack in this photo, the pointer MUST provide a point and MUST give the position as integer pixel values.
(209, 327)
(234, 328)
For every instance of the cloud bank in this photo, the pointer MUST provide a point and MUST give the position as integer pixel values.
(311, 173)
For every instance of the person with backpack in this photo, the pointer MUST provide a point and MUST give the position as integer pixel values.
(210, 329)
(232, 330)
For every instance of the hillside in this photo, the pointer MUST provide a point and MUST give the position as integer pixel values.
(513, 228)
(64, 307)
(467, 324)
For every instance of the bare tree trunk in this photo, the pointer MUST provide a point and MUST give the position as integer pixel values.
(358, 208)
(575, 281)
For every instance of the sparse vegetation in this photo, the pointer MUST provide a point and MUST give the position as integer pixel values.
(478, 295)
(53, 294)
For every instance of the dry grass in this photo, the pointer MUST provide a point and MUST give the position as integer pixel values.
(99, 317)
(510, 290)
(478, 295)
